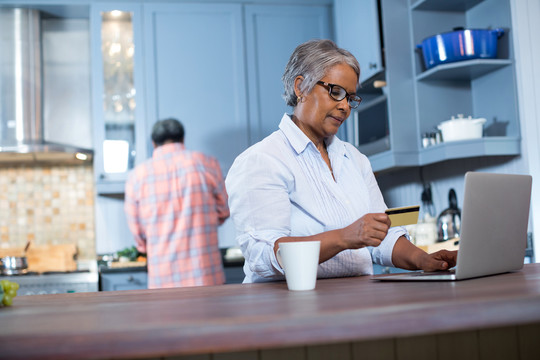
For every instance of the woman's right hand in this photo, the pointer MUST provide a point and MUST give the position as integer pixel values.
(369, 230)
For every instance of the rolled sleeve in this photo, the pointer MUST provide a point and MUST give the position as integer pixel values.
(382, 254)
(258, 249)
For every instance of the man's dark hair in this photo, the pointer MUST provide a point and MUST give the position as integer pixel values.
(167, 130)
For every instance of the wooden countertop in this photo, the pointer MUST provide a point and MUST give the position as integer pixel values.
(153, 323)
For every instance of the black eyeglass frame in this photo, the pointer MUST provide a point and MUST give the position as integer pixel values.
(347, 95)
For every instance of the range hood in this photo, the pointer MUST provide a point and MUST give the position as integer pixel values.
(21, 105)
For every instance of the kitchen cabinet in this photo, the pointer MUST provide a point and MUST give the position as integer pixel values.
(124, 280)
(416, 100)
(198, 79)
(483, 88)
(234, 274)
(118, 93)
(219, 121)
(272, 34)
(120, 139)
(357, 30)
(384, 125)
(233, 265)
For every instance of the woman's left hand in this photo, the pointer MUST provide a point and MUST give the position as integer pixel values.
(440, 260)
(410, 257)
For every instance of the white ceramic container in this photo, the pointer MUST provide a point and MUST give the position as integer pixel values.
(461, 128)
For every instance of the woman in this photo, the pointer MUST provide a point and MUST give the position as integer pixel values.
(303, 183)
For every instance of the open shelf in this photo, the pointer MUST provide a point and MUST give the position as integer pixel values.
(391, 160)
(486, 146)
(110, 188)
(445, 5)
(417, 101)
(365, 105)
(463, 70)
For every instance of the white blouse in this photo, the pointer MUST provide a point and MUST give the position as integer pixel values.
(282, 187)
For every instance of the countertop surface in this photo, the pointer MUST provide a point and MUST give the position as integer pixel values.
(180, 321)
(131, 267)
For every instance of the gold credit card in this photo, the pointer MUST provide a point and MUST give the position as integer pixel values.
(405, 215)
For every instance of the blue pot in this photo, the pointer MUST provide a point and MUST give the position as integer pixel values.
(460, 45)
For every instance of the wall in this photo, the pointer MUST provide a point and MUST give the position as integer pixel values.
(404, 187)
(525, 14)
(48, 205)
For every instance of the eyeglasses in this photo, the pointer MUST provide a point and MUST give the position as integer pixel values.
(338, 93)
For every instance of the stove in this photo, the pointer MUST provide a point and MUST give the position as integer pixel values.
(32, 283)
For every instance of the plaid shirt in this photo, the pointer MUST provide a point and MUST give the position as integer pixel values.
(174, 203)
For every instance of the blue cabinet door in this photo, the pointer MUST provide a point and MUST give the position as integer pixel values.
(272, 33)
(123, 126)
(136, 280)
(196, 73)
(357, 30)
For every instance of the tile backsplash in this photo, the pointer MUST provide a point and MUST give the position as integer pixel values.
(48, 205)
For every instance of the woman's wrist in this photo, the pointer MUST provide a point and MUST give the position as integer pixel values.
(408, 256)
(421, 259)
(341, 242)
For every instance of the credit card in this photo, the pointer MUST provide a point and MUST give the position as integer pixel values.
(405, 215)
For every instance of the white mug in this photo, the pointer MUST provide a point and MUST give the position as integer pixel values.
(299, 260)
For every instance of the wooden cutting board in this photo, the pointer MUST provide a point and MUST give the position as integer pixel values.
(11, 251)
(127, 264)
(42, 258)
(61, 257)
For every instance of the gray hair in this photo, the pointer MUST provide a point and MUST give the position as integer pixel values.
(311, 60)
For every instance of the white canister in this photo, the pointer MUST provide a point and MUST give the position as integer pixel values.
(426, 232)
(461, 128)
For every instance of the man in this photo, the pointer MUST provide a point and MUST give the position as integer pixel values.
(174, 203)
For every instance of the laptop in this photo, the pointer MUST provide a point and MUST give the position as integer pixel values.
(494, 221)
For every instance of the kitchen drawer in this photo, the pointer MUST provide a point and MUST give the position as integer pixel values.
(124, 281)
(234, 274)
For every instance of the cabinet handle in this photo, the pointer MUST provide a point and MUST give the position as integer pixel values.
(372, 65)
(131, 279)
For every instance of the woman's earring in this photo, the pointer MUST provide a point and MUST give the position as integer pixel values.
(298, 99)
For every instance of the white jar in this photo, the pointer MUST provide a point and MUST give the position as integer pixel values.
(461, 128)
(426, 232)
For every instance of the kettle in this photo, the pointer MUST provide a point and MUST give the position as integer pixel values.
(449, 221)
